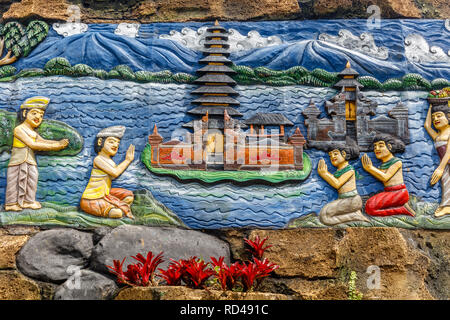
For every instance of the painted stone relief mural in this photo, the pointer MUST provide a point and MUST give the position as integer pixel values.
(280, 124)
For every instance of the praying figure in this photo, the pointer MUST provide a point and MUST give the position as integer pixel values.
(438, 115)
(394, 199)
(99, 199)
(348, 206)
(22, 174)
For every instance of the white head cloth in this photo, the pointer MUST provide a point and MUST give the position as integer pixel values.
(115, 131)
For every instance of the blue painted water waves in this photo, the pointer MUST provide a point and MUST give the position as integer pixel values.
(89, 104)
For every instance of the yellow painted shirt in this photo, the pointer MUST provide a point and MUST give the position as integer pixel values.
(99, 185)
(21, 153)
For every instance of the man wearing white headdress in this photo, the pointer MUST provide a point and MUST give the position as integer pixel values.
(99, 199)
(22, 174)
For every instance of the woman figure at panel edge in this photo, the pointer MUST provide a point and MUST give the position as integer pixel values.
(438, 115)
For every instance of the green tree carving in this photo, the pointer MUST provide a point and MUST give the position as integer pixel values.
(20, 41)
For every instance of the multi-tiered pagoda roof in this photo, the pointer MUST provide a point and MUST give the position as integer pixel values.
(348, 78)
(216, 95)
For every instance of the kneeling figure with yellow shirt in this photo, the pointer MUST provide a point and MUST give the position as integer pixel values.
(99, 199)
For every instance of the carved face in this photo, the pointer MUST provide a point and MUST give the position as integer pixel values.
(336, 157)
(381, 150)
(111, 146)
(34, 117)
(439, 119)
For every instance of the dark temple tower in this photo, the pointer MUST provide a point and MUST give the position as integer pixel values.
(349, 87)
(216, 101)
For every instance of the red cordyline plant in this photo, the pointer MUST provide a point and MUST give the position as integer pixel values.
(176, 271)
(172, 275)
(265, 268)
(193, 272)
(196, 273)
(140, 273)
(250, 274)
(255, 271)
(257, 247)
(226, 275)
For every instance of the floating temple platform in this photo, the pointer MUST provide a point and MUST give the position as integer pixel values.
(230, 151)
(217, 140)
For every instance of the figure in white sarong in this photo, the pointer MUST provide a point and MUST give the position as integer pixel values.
(22, 173)
(347, 207)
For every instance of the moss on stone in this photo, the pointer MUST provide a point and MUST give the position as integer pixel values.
(424, 219)
(146, 209)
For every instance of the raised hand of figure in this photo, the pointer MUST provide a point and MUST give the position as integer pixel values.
(322, 167)
(130, 153)
(366, 162)
(436, 176)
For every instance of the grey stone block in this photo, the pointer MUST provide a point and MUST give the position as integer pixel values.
(99, 233)
(128, 240)
(86, 285)
(48, 255)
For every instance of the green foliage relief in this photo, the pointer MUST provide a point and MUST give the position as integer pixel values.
(20, 41)
(297, 75)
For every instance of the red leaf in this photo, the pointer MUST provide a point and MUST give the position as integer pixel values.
(226, 275)
(117, 270)
(256, 271)
(138, 274)
(172, 275)
(248, 275)
(196, 273)
(257, 246)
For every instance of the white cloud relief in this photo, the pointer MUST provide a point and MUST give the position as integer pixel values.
(364, 43)
(127, 29)
(70, 28)
(418, 50)
(194, 39)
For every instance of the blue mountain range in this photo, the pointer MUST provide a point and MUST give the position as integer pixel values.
(101, 48)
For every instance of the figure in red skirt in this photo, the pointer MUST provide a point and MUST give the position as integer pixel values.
(394, 199)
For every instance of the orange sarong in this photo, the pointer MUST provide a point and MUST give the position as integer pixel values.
(101, 207)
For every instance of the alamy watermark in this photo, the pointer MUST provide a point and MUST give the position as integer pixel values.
(373, 281)
(374, 21)
(74, 281)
